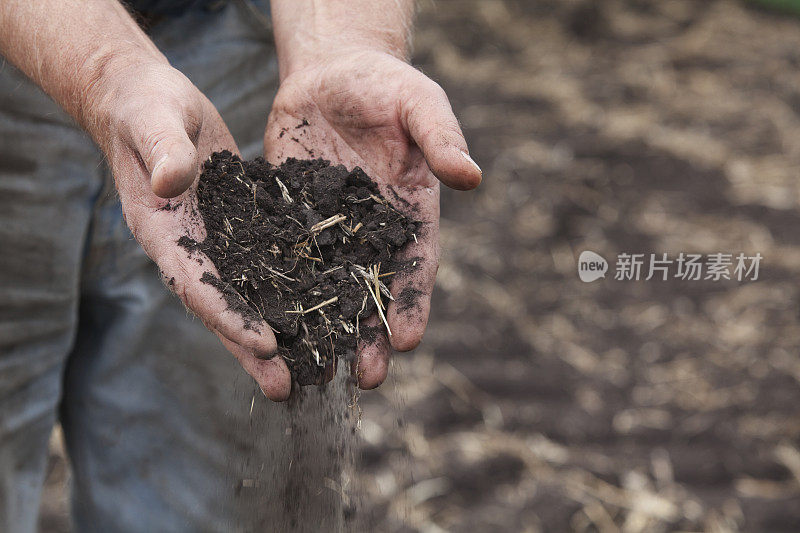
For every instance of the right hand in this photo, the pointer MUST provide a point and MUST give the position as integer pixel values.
(156, 128)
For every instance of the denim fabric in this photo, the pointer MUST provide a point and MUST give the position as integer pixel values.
(166, 7)
(164, 431)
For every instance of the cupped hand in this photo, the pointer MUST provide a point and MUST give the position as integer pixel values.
(373, 110)
(156, 129)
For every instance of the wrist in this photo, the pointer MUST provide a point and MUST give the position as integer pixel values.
(321, 53)
(309, 31)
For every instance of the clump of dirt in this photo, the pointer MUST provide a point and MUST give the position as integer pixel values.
(309, 247)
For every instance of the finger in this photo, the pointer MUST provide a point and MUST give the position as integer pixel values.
(412, 287)
(192, 276)
(219, 306)
(430, 122)
(372, 364)
(272, 375)
(408, 313)
(169, 155)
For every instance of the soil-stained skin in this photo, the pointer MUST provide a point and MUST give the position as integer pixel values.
(307, 246)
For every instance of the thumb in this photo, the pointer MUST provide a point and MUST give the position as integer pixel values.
(430, 122)
(168, 153)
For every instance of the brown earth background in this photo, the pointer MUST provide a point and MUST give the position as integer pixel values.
(540, 403)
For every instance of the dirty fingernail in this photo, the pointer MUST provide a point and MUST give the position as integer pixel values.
(471, 161)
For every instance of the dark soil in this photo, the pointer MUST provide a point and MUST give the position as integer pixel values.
(307, 246)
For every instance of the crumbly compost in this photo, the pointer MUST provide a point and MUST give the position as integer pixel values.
(308, 246)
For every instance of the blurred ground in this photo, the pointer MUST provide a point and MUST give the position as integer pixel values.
(539, 403)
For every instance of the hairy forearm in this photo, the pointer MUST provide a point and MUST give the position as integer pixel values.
(72, 47)
(308, 30)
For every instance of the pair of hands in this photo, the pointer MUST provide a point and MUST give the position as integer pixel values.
(364, 108)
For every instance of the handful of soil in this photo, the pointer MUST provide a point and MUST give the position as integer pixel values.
(308, 246)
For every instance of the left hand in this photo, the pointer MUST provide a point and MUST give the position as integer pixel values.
(370, 109)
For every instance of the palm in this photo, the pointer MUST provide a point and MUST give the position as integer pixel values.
(353, 119)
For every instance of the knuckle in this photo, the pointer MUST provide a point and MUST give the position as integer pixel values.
(436, 90)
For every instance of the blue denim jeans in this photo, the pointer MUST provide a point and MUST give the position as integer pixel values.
(164, 431)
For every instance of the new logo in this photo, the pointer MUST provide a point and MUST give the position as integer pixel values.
(591, 266)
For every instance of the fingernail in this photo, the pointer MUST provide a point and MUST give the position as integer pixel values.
(471, 161)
